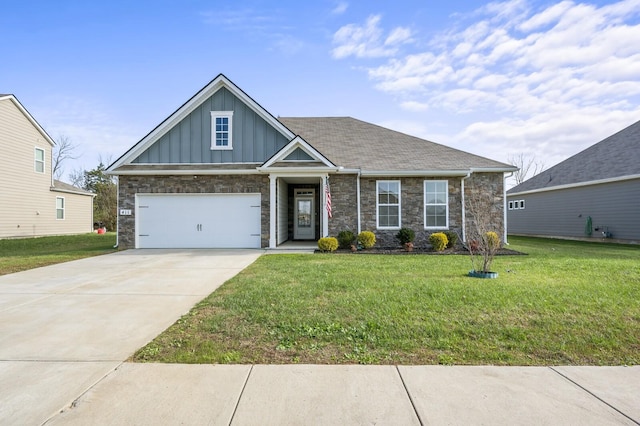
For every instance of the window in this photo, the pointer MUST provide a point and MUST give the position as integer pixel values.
(388, 204)
(516, 204)
(221, 129)
(436, 204)
(59, 207)
(39, 167)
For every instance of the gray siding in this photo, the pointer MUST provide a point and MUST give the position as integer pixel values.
(253, 139)
(563, 213)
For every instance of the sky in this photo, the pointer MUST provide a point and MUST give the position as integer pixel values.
(546, 79)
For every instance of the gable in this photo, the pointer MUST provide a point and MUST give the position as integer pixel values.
(185, 136)
(189, 141)
(298, 155)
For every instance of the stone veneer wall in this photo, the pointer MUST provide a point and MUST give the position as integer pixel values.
(131, 185)
(489, 187)
(412, 209)
(344, 208)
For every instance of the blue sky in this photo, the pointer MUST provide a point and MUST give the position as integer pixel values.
(543, 78)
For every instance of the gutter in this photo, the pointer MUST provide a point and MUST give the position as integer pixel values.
(464, 215)
(504, 207)
(358, 202)
(118, 214)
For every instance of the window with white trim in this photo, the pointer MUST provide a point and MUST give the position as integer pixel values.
(59, 207)
(388, 204)
(516, 205)
(436, 204)
(221, 130)
(39, 160)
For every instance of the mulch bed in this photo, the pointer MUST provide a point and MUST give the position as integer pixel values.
(417, 250)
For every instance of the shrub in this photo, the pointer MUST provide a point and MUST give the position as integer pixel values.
(492, 240)
(345, 239)
(367, 239)
(452, 236)
(328, 244)
(439, 241)
(405, 235)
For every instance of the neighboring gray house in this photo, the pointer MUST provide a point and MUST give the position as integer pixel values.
(595, 193)
(221, 171)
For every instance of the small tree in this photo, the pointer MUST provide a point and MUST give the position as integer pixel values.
(482, 241)
(106, 202)
(64, 150)
(527, 167)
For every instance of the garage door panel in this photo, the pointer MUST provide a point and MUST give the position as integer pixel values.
(198, 220)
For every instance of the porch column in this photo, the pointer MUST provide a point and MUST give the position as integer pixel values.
(272, 211)
(325, 212)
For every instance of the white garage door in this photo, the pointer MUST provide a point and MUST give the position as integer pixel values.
(198, 220)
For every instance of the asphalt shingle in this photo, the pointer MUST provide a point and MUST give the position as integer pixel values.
(356, 144)
(616, 156)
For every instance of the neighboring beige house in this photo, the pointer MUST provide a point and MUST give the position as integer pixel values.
(33, 203)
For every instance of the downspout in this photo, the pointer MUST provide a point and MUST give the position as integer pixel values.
(504, 208)
(358, 199)
(464, 215)
(117, 213)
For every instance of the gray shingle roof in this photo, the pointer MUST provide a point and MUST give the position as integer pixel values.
(356, 144)
(616, 156)
(65, 187)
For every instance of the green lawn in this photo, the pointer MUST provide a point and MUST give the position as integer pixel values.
(27, 253)
(566, 303)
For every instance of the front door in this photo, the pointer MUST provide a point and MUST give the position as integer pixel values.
(304, 226)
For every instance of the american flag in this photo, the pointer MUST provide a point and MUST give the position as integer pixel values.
(328, 193)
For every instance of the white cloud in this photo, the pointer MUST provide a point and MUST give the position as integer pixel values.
(367, 41)
(554, 77)
(340, 8)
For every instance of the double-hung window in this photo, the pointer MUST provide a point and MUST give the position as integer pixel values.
(39, 160)
(388, 204)
(59, 207)
(436, 204)
(221, 130)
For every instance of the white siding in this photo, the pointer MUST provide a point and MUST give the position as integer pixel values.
(28, 206)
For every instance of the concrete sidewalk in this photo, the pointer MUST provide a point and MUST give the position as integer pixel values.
(168, 394)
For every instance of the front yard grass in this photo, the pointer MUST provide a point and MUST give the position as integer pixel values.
(566, 303)
(27, 253)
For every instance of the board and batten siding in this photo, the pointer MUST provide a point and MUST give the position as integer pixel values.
(613, 206)
(253, 139)
(28, 206)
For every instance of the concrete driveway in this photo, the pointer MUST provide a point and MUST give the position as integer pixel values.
(64, 327)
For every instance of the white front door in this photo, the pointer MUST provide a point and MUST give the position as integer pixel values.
(304, 223)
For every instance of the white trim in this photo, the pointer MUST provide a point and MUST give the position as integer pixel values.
(36, 161)
(295, 143)
(419, 173)
(446, 203)
(399, 204)
(272, 211)
(358, 202)
(64, 214)
(67, 191)
(229, 116)
(464, 208)
(197, 172)
(216, 84)
(576, 185)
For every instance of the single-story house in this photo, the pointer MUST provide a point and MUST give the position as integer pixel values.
(33, 202)
(221, 171)
(595, 193)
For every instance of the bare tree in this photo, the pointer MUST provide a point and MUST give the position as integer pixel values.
(483, 228)
(529, 166)
(64, 150)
